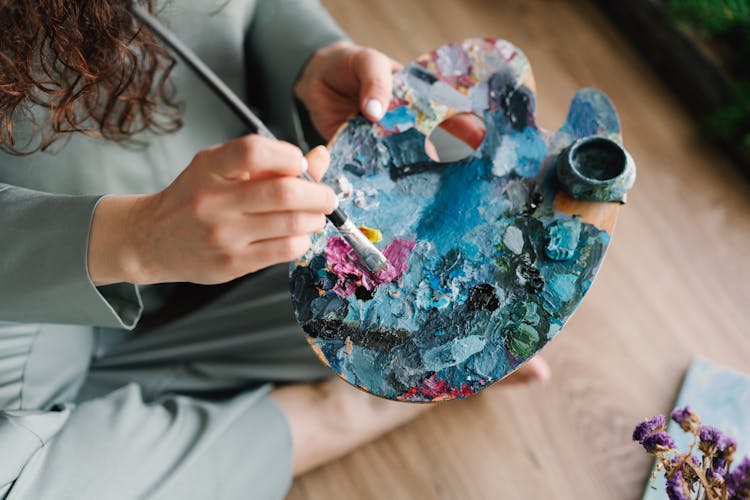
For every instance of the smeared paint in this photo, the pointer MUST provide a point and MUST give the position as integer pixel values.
(398, 119)
(344, 263)
(522, 340)
(344, 187)
(563, 286)
(451, 354)
(562, 239)
(513, 239)
(434, 389)
(483, 297)
(484, 272)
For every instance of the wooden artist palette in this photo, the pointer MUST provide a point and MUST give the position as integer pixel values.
(489, 255)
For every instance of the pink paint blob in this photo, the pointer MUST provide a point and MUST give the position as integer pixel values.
(434, 388)
(345, 264)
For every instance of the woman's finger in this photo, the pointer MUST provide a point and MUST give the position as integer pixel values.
(276, 251)
(318, 159)
(466, 127)
(255, 157)
(373, 70)
(279, 194)
(278, 225)
(431, 150)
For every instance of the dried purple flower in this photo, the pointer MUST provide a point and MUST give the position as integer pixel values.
(683, 459)
(728, 446)
(682, 463)
(658, 441)
(710, 434)
(738, 481)
(677, 489)
(712, 440)
(715, 474)
(679, 415)
(647, 427)
(718, 463)
(686, 419)
(686, 473)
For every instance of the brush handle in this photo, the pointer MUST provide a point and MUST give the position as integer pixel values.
(206, 74)
(202, 70)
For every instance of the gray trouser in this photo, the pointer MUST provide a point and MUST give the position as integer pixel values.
(178, 411)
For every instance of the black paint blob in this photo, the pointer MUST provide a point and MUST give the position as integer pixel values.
(382, 339)
(363, 293)
(483, 297)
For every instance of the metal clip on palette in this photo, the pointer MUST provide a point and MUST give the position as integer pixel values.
(373, 259)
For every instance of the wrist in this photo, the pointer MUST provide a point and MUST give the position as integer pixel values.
(114, 255)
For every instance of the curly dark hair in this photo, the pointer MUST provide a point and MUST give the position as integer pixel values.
(90, 64)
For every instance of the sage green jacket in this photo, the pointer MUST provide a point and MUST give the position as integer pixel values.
(47, 199)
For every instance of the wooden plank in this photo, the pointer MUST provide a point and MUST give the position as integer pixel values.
(602, 215)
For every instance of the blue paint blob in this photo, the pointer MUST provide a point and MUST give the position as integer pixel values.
(531, 150)
(401, 117)
(562, 239)
(457, 351)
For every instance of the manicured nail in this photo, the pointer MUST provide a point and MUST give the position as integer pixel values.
(304, 164)
(335, 203)
(374, 109)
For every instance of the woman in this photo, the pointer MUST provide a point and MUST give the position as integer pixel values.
(114, 381)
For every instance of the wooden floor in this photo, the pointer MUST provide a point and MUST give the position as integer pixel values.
(676, 282)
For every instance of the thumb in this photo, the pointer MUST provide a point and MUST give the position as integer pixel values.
(373, 70)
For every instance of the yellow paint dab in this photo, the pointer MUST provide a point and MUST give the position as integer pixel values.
(374, 235)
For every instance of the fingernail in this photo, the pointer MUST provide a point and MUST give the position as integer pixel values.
(335, 203)
(374, 109)
(304, 164)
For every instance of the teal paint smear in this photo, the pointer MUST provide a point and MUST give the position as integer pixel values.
(454, 207)
(513, 239)
(451, 354)
(563, 286)
(402, 117)
(562, 239)
(530, 150)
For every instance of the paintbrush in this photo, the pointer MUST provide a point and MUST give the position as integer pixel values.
(372, 258)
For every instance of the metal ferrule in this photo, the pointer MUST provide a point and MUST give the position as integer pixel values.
(373, 258)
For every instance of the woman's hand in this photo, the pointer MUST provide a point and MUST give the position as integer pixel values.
(237, 208)
(342, 79)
